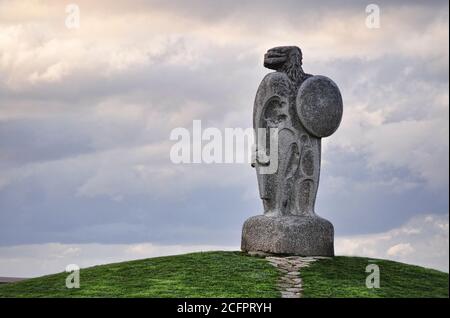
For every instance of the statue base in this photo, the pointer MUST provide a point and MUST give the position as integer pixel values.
(296, 235)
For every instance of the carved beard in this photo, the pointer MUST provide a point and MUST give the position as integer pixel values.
(293, 69)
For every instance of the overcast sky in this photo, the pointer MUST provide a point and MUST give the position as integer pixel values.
(86, 114)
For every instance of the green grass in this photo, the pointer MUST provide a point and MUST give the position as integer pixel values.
(234, 274)
(346, 277)
(210, 274)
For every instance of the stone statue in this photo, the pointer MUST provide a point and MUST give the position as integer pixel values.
(301, 109)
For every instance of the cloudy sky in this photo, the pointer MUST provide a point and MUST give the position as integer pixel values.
(86, 114)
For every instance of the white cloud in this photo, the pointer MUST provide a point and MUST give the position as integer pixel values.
(36, 46)
(423, 240)
(401, 249)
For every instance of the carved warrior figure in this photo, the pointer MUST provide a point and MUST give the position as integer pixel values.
(303, 108)
(292, 189)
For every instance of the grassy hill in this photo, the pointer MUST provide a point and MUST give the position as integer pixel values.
(233, 274)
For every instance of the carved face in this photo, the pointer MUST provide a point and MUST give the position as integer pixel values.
(276, 57)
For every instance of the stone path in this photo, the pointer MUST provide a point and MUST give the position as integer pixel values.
(290, 283)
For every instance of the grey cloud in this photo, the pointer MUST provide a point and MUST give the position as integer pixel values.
(67, 156)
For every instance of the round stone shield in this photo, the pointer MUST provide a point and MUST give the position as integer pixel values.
(319, 106)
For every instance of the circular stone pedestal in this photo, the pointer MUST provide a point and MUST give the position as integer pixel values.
(297, 235)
